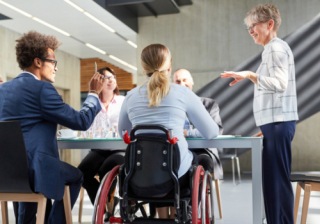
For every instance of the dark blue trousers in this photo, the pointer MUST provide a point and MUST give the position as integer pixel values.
(27, 210)
(276, 169)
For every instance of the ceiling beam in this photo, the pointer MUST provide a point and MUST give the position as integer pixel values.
(184, 2)
(125, 2)
(175, 4)
(3, 17)
(150, 9)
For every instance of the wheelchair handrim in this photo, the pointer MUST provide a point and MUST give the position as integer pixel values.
(104, 194)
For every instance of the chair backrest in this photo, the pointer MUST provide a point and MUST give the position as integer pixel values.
(14, 176)
(152, 162)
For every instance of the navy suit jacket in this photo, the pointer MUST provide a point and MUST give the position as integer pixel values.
(39, 108)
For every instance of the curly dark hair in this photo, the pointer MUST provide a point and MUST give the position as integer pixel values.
(32, 45)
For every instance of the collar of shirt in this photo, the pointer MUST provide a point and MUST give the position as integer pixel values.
(273, 39)
(31, 74)
(113, 101)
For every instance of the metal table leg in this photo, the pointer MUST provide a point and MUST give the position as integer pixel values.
(257, 181)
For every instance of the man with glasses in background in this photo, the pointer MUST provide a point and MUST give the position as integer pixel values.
(31, 99)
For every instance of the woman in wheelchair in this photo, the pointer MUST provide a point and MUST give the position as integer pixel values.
(165, 106)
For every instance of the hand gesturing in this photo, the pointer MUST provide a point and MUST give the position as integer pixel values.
(238, 76)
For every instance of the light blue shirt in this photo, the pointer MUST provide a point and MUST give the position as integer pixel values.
(171, 113)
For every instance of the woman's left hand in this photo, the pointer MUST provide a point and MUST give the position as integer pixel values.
(259, 134)
(238, 76)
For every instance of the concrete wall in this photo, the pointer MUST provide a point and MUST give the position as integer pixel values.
(67, 78)
(306, 145)
(209, 37)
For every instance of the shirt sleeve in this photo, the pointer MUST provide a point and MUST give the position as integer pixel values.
(200, 118)
(194, 133)
(124, 122)
(93, 94)
(213, 109)
(278, 65)
(55, 110)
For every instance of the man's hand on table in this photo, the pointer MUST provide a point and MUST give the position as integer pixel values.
(259, 134)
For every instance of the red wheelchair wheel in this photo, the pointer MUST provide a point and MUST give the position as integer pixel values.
(197, 180)
(207, 211)
(105, 192)
(202, 185)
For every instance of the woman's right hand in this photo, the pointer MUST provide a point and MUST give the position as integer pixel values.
(238, 76)
(259, 134)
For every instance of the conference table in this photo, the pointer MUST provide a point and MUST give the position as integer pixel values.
(220, 142)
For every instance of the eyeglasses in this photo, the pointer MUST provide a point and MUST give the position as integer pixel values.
(251, 27)
(47, 59)
(110, 77)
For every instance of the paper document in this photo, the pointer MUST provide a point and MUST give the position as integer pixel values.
(225, 136)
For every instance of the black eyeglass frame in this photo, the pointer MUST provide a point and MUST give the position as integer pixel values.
(109, 77)
(253, 25)
(47, 59)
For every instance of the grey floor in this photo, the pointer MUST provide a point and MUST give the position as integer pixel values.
(236, 204)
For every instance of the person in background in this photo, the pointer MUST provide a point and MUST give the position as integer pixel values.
(31, 99)
(275, 110)
(1, 81)
(160, 103)
(102, 161)
(208, 158)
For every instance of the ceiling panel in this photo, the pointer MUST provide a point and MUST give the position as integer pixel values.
(67, 18)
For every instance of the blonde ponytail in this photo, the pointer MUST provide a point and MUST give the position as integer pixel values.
(158, 88)
(156, 61)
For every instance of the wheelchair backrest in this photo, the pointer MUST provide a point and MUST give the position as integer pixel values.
(152, 163)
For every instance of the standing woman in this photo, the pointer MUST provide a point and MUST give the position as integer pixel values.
(275, 110)
(102, 161)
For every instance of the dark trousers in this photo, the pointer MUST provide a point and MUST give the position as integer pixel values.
(98, 162)
(276, 169)
(27, 210)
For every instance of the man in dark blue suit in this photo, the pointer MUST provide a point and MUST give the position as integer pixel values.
(32, 99)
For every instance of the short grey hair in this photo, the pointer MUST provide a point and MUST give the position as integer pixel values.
(263, 13)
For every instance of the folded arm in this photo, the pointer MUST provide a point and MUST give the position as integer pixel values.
(213, 109)
(199, 116)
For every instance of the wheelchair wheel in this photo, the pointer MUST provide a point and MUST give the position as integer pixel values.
(107, 200)
(207, 210)
(202, 208)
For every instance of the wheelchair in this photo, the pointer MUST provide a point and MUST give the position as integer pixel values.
(149, 177)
